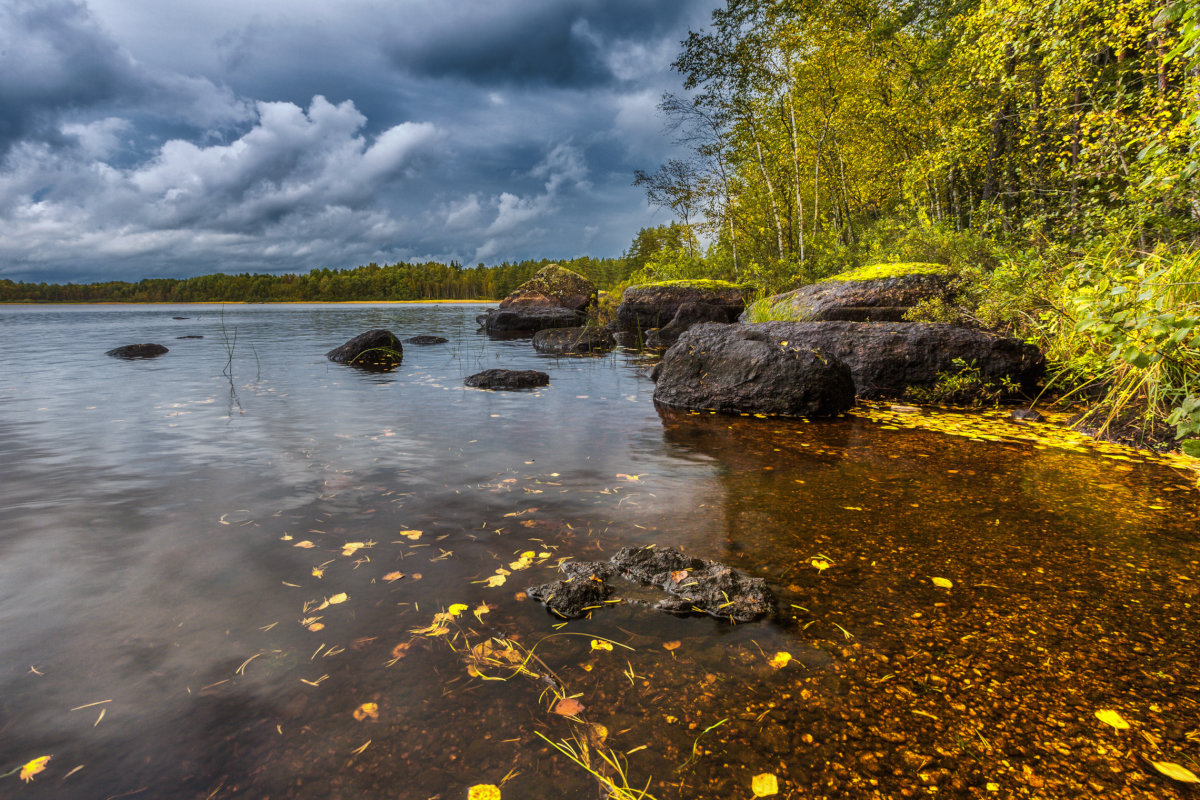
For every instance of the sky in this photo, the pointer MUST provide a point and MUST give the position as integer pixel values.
(141, 138)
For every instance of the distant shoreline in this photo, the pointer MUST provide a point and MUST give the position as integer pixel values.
(238, 302)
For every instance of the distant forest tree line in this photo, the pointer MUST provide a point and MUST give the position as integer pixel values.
(425, 281)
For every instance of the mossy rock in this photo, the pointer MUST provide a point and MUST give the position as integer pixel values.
(702, 284)
(553, 285)
(874, 293)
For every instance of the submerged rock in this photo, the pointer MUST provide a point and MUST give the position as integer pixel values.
(877, 293)
(426, 340)
(507, 379)
(573, 341)
(693, 585)
(132, 351)
(190, 336)
(736, 369)
(375, 349)
(1027, 415)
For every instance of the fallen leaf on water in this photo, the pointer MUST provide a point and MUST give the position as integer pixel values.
(306, 544)
(350, 548)
(340, 597)
(496, 580)
(600, 644)
(317, 626)
(568, 707)
(483, 791)
(1172, 771)
(401, 650)
(674, 644)
(480, 611)
(413, 535)
(33, 768)
(457, 608)
(416, 576)
(318, 572)
(821, 564)
(1109, 717)
(945, 583)
(393, 576)
(780, 659)
(629, 477)
(764, 785)
(520, 513)
(367, 711)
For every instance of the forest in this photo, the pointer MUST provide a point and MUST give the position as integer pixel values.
(402, 281)
(1046, 152)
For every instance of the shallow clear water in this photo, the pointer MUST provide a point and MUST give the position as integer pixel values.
(152, 512)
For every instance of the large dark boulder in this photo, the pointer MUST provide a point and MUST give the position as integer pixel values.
(688, 314)
(553, 286)
(658, 304)
(878, 293)
(553, 298)
(507, 379)
(131, 351)
(736, 369)
(525, 320)
(589, 340)
(886, 358)
(377, 349)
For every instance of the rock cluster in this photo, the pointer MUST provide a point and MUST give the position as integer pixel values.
(691, 585)
(553, 298)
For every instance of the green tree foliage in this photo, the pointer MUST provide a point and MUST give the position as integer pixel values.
(425, 281)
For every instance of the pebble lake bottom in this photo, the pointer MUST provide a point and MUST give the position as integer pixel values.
(240, 570)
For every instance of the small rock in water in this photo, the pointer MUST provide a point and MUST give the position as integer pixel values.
(190, 336)
(131, 351)
(179, 317)
(507, 379)
(423, 340)
(906, 409)
(1027, 415)
(377, 349)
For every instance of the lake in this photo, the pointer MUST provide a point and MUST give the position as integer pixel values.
(240, 570)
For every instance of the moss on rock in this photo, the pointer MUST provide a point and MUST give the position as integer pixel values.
(876, 272)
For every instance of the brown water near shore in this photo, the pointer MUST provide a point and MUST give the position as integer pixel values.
(170, 632)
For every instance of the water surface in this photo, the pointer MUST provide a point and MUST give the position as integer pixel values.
(164, 634)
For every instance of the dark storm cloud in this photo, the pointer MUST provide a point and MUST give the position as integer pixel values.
(146, 139)
(543, 42)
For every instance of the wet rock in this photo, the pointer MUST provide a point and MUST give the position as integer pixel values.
(573, 341)
(705, 586)
(530, 319)
(375, 349)
(737, 369)
(132, 351)
(426, 340)
(553, 298)
(507, 379)
(676, 306)
(572, 598)
(190, 336)
(879, 293)
(179, 317)
(1026, 415)
(692, 585)
(886, 358)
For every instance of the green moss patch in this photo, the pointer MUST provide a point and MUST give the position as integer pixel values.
(875, 272)
(702, 284)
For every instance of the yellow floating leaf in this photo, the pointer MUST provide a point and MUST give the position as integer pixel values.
(764, 785)
(413, 535)
(306, 544)
(543, 555)
(496, 580)
(367, 711)
(350, 548)
(457, 608)
(629, 477)
(1109, 717)
(674, 644)
(568, 707)
(316, 626)
(945, 583)
(600, 644)
(340, 597)
(1172, 771)
(821, 564)
(780, 659)
(393, 576)
(33, 768)
(483, 791)
(480, 611)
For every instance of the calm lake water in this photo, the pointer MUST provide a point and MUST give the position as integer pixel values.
(210, 561)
